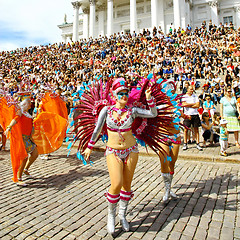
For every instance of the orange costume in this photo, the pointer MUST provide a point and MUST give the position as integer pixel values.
(49, 131)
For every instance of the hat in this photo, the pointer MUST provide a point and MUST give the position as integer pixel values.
(223, 121)
(118, 85)
(205, 85)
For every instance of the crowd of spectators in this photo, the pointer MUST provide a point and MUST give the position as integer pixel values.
(208, 54)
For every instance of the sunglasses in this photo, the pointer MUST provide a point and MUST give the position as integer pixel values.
(121, 94)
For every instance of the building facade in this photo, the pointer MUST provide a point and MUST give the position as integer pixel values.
(93, 18)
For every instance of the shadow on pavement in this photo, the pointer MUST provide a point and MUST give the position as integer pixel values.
(60, 181)
(205, 196)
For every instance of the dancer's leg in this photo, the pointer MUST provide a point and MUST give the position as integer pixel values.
(165, 170)
(126, 194)
(128, 171)
(115, 169)
(174, 156)
(32, 158)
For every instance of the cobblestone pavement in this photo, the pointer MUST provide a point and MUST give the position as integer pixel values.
(65, 201)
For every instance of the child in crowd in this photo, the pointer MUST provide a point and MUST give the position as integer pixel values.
(216, 122)
(223, 137)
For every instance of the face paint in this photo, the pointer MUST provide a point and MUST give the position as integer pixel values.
(121, 94)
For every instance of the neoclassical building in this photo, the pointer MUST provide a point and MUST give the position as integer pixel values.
(93, 18)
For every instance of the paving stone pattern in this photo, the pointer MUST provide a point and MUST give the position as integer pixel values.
(65, 200)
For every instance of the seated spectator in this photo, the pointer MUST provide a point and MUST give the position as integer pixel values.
(195, 83)
(209, 78)
(230, 66)
(181, 79)
(216, 78)
(198, 71)
(168, 72)
(185, 87)
(219, 67)
(205, 91)
(222, 87)
(236, 90)
(208, 106)
(177, 70)
(207, 69)
(207, 130)
(217, 93)
(228, 79)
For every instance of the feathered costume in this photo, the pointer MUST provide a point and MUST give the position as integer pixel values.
(49, 130)
(147, 130)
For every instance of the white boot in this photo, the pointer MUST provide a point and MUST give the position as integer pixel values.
(111, 217)
(122, 214)
(167, 182)
(172, 194)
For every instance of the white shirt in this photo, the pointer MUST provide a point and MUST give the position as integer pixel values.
(190, 99)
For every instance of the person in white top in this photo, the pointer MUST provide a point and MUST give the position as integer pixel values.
(190, 103)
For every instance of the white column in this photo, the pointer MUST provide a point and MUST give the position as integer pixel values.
(237, 9)
(188, 18)
(133, 16)
(154, 13)
(214, 12)
(110, 17)
(183, 13)
(92, 18)
(64, 38)
(76, 6)
(176, 14)
(161, 14)
(85, 23)
(101, 21)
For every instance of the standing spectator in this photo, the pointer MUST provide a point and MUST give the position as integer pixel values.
(191, 105)
(223, 137)
(228, 109)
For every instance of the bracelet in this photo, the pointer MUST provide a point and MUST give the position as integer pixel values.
(150, 100)
(90, 147)
(151, 103)
(9, 128)
(91, 144)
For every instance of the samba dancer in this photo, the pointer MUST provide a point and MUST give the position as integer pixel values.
(122, 149)
(26, 124)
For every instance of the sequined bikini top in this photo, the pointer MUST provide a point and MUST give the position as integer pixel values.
(123, 124)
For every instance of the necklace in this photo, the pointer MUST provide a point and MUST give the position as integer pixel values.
(119, 111)
(119, 121)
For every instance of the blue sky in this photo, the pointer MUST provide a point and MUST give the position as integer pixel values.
(32, 22)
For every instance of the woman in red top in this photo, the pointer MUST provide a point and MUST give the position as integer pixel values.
(24, 119)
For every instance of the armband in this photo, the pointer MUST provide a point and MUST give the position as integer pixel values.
(91, 144)
(151, 102)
